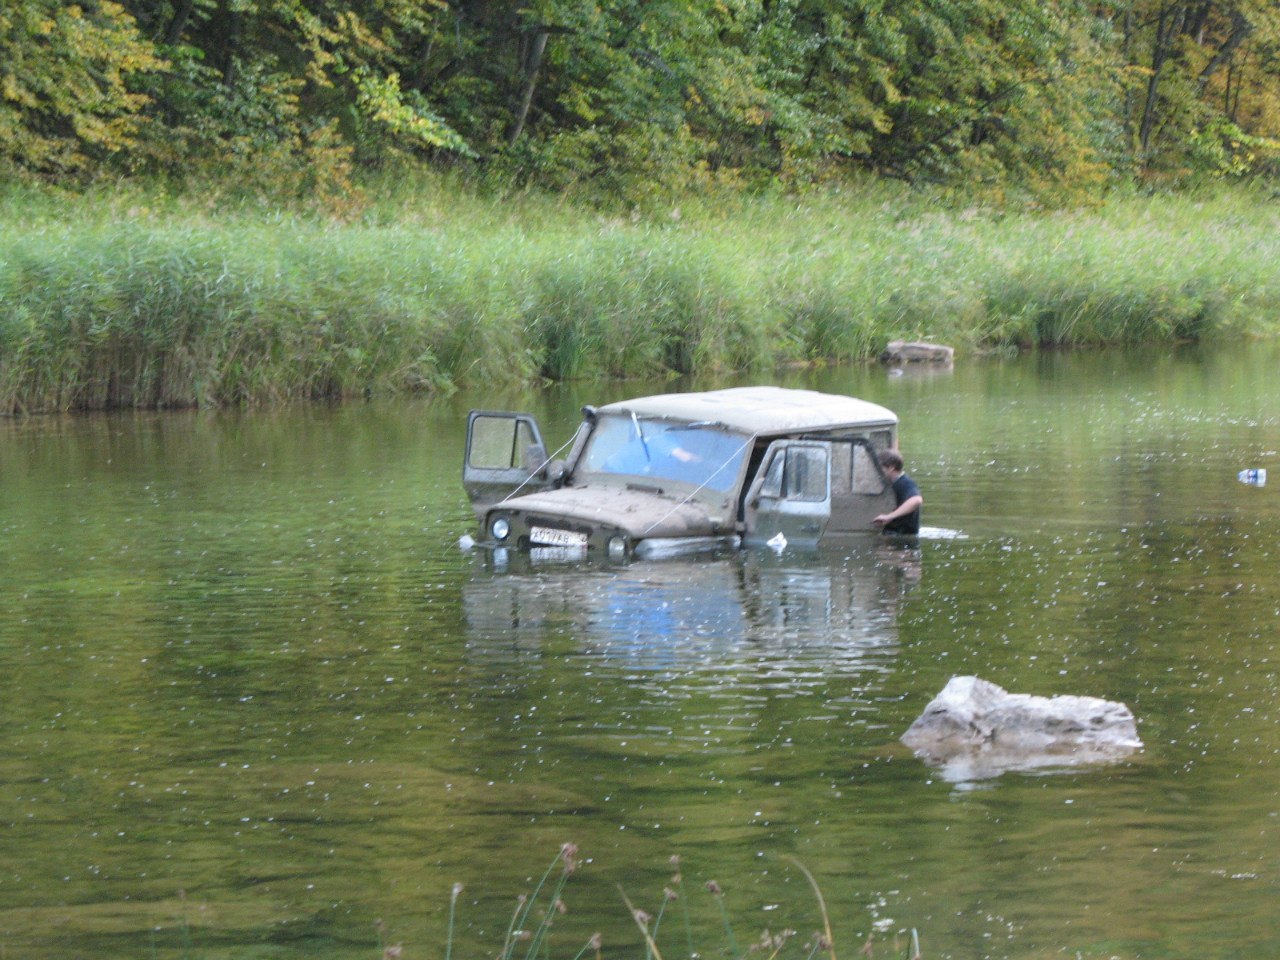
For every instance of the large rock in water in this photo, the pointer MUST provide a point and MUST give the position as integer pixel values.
(899, 352)
(974, 729)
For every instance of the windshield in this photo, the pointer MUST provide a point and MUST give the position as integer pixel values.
(694, 453)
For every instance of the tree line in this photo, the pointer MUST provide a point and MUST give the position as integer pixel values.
(1052, 99)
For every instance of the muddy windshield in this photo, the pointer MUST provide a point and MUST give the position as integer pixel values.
(700, 454)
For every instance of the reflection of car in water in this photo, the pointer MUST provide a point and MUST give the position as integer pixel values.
(683, 470)
(841, 606)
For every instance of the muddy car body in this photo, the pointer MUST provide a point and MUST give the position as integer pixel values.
(673, 472)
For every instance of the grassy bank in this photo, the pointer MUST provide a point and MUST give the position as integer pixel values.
(134, 299)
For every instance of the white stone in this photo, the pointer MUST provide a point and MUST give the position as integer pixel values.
(974, 729)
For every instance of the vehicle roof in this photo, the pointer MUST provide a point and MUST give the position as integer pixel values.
(759, 410)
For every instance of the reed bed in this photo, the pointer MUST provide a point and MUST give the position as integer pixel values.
(136, 299)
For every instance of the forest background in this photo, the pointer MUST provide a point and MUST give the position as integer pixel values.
(1050, 98)
(216, 201)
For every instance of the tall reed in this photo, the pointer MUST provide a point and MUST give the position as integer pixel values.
(146, 300)
(535, 913)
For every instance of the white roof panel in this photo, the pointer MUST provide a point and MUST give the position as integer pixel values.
(760, 410)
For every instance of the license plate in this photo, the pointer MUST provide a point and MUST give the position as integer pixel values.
(556, 554)
(552, 537)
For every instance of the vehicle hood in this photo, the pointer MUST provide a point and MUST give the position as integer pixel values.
(639, 513)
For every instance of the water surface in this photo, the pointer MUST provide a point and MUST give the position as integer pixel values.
(259, 704)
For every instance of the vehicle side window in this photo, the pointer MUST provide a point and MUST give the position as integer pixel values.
(867, 477)
(806, 477)
(882, 439)
(797, 473)
(772, 486)
(499, 443)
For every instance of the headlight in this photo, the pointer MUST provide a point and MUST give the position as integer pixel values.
(617, 547)
(500, 528)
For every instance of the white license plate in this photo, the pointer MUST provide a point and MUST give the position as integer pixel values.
(557, 554)
(557, 538)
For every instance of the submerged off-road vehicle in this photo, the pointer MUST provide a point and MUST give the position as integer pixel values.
(748, 465)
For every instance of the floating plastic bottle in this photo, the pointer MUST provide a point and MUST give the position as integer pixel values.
(1254, 476)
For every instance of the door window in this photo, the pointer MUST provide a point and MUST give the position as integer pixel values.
(499, 443)
(798, 473)
(806, 476)
(771, 486)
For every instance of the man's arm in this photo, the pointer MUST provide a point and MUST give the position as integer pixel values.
(907, 505)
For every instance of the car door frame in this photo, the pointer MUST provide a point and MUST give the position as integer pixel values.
(525, 470)
(770, 511)
(843, 513)
(854, 504)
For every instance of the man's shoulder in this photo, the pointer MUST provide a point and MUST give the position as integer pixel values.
(906, 486)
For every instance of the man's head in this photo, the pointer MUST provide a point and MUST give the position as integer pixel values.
(890, 462)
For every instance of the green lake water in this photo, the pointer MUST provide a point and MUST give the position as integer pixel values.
(257, 703)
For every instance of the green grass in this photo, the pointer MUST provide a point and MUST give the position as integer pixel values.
(132, 297)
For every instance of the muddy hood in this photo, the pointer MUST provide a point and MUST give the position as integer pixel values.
(640, 513)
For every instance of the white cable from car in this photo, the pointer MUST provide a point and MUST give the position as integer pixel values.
(696, 490)
(542, 466)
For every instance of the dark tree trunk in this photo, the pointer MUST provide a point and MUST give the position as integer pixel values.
(179, 22)
(1240, 30)
(235, 26)
(533, 62)
(1167, 29)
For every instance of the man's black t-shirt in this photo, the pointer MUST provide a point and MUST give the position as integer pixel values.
(904, 488)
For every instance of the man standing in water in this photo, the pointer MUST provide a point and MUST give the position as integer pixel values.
(905, 517)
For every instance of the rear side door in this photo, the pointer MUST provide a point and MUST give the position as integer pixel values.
(791, 494)
(860, 492)
(505, 456)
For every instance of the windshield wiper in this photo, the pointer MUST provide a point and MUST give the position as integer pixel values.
(640, 433)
